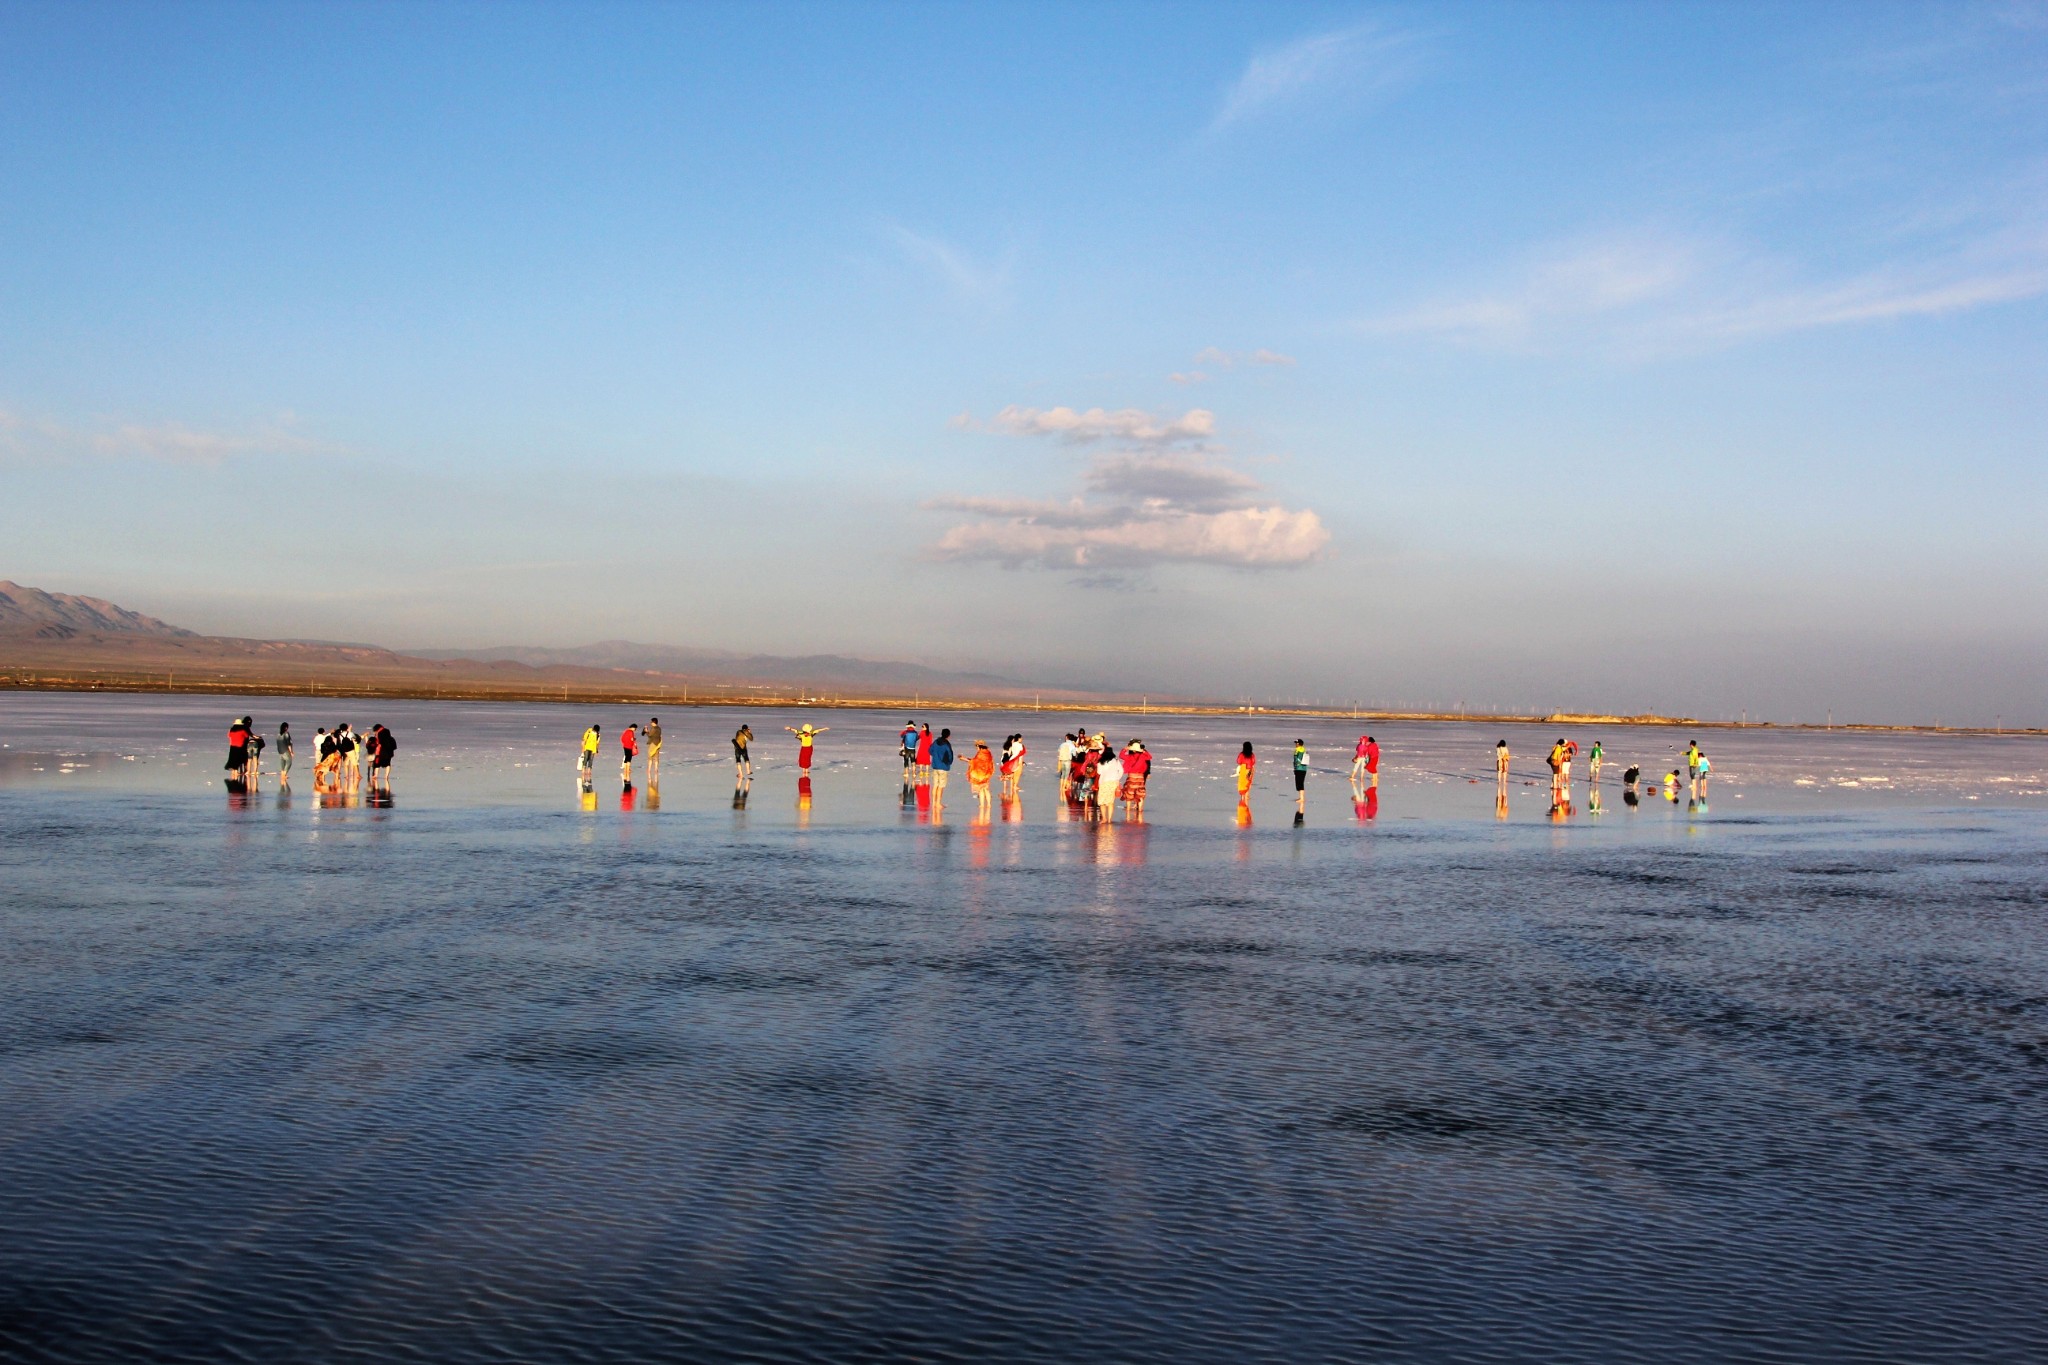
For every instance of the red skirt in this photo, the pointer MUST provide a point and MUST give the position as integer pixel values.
(803, 756)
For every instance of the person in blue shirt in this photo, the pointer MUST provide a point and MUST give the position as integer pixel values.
(942, 764)
(907, 741)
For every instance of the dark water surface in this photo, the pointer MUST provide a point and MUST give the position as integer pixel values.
(487, 1076)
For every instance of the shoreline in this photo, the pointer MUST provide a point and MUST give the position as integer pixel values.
(87, 682)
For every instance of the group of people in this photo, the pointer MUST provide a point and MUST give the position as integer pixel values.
(1564, 753)
(634, 741)
(1095, 775)
(343, 757)
(928, 761)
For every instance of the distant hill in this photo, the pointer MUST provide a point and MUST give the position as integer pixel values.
(63, 616)
(816, 670)
(56, 639)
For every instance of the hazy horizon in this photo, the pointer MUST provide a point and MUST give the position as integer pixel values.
(1682, 360)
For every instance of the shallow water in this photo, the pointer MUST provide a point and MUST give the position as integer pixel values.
(485, 1075)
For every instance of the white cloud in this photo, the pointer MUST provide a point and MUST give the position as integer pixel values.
(1132, 426)
(1147, 509)
(1363, 59)
(170, 442)
(1653, 292)
(968, 280)
(1217, 358)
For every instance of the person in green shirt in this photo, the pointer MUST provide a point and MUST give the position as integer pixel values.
(1300, 776)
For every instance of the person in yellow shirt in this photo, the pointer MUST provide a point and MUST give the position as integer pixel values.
(805, 739)
(589, 755)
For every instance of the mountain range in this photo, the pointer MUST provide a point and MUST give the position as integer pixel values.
(46, 635)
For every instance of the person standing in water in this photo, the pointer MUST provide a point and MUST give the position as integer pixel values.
(1301, 777)
(1013, 764)
(906, 744)
(238, 748)
(1372, 761)
(652, 734)
(942, 766)
(806, 741)
(587, 758)
(1500, 765)
(1137, 768)
(284, 753)
(629, 746)
(924, 753)
(1109, 781)
(742, 760)
(1593, 762)
(980, 769)
(1247, 765)
(1699, 775)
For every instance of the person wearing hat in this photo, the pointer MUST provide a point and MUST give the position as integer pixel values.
(1137, 767)
(980, 769)
(806, 738)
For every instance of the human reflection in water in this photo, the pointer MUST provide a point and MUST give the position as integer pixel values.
(1244, 810)
(1561, 808)
(627, 796)
(1500, 803)
(741, 788)
(587, 795)
(380, 798)
(653, 792)
(1593, 799)
(1013, 803)
(238, 792)
(1365, 801)
(803, 802)
(1630, 799)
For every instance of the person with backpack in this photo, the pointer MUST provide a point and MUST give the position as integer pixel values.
(942, 766)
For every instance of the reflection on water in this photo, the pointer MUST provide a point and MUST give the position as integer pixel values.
(500, 1075)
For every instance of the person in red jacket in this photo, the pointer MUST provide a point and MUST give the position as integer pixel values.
(629, 745)
(1137, 767)
(238, 747)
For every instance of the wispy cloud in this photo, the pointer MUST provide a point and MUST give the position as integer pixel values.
(1653, 292)
(45, 440)
(1126, 426)
(966, 278)
(1139, 510)
(1370, 58)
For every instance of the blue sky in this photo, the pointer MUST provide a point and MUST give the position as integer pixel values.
(1674, 357)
